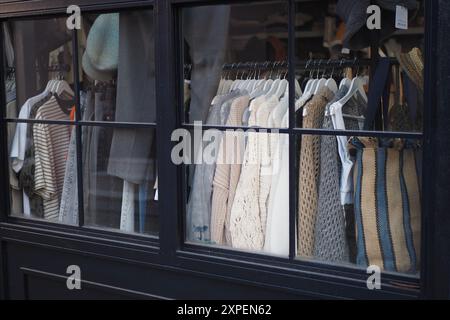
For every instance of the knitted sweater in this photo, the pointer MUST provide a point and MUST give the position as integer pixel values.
(198, 213)
(309, 173)
(334, 231)
(266, 152)
(226, 177)
(277, 230)
(330, 239)
(246, 221)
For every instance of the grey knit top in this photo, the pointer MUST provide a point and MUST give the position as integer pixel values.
(198, 211)
(331, 243)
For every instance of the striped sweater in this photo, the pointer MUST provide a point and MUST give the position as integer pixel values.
(51, 145)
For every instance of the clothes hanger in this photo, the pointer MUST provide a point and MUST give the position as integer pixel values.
(312, 92)
(275, 84)
(355, 86)
(221, 84)
(259, 82)
(54, 86)
(331, 83)
(309, 92)
(310, 82)
(236, 80)
(256, 78)
(283, 86)
(244, 82)
(49, 84)
(345, 80)
(258, 86)
(252, 80)
(315, 81)
(320, 83)
(269, 81)
(261, 89)
(298, 89)
(303, 98)
(228, 84)
(62, 87)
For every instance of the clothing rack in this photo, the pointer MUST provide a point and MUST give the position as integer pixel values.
(337, 63)
(301, 65)
(51, 68)
(304, 64)
(102, 86)
(59, 68)
(268, 65)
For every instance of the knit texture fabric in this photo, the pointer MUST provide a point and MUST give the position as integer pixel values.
(277, 230)
(68, 210)
(246, 221)
(356, 106)
(266, 174)
(228, 171)
(334, 230)
(309, 173)
(330, 234)
(198, 215)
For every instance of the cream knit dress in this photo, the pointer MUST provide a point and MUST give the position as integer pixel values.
(277, 230)
(247, 221)
(228, 171)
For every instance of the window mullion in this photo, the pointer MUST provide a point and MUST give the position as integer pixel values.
(168, 172)
(293, 181)
(78, 130)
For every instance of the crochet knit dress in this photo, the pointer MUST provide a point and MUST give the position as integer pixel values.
(309, 173)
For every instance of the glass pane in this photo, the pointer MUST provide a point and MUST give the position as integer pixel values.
(117, 53)
(379, 90)
(38, 64)
(39, 86)
(232, 50)
(44, 184)
(111, 202)
(119, 163)
(236, 75)
(360, 202)
(246, 207)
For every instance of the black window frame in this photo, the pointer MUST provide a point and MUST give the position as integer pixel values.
(170, 251)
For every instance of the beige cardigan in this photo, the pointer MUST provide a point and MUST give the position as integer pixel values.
(228, 170)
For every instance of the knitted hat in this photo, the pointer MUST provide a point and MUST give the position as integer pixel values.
(100, 60)
(412, 64)
(354, 14)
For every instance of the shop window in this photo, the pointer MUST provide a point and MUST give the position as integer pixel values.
(103, 136)
(230, 51)
(338, 182)
(359, 197)
(38, 54)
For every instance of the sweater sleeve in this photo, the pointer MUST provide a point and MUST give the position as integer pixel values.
(220, 196)
(265, 177)
(235, 173)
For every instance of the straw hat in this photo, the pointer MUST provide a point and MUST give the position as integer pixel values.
(412, 64)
